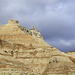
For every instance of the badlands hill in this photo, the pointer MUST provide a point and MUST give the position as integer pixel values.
(24, 52)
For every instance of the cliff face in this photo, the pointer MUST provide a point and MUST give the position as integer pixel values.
(15, 33)
(24, 52)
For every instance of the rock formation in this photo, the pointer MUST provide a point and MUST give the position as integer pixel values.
(71, 55)
(24, 52)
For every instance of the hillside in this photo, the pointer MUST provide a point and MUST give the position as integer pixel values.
(24, 52)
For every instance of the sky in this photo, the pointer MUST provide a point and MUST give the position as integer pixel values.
(55, 19)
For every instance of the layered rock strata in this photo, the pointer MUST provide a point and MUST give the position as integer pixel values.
(24, 52)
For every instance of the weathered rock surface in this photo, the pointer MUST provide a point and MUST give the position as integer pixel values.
(24, 52)
(15, 33)
(71, 53)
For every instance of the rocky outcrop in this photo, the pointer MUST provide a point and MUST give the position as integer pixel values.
(15, 33)
(12, 22)
(24, 52)
(35, 32)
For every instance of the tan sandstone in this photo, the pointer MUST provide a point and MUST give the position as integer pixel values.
(24, 52)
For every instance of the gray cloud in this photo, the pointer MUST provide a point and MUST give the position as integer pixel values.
(63, 45)
(53, 18)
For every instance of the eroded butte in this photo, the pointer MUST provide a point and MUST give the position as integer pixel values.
(24, 52)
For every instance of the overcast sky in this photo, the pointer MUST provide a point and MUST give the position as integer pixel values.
(55, 19)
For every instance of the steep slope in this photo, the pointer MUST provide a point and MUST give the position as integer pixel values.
(15, 33)
(39, 61)
(24, 52)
